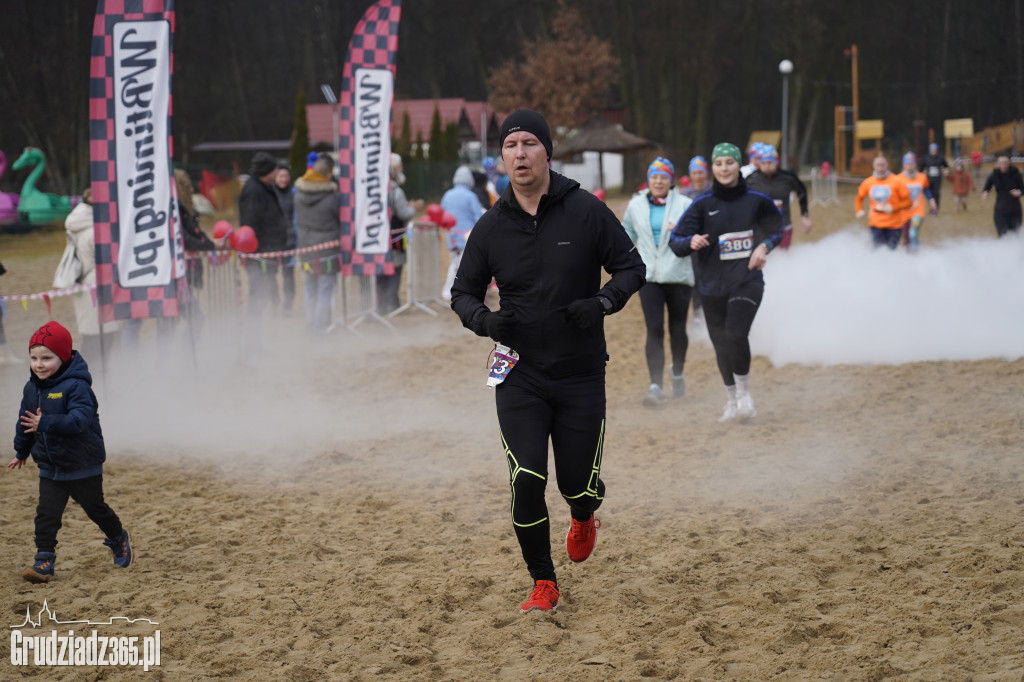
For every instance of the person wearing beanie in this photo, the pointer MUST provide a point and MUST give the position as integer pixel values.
(59, 426)
(318, 215)
(780, 184)
(730, 233)
(546, 243)
(919, 188)
(888, 199)
(700, 180)
(934, 166)
(754, 154)
(464, 204)
(260, 209)
(648, 220)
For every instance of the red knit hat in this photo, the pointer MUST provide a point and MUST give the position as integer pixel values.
(55, 337)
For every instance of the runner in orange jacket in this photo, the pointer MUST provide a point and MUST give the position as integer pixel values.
(888, 199)
(920, 190)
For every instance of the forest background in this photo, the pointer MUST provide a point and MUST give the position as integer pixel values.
(685, 73)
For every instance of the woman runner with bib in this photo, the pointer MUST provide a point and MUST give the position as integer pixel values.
(730, 232)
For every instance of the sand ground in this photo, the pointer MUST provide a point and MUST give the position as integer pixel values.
(340, 511)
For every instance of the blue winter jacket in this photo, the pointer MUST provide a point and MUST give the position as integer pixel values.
(68, 444)
(462, 203)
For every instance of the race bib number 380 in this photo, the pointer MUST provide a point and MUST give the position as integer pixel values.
(734, 245)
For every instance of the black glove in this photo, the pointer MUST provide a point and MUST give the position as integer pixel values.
(499, 324)
(585, 312)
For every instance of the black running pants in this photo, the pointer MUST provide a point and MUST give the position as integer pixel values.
(729, 319)
(569, 411)
(654, 299)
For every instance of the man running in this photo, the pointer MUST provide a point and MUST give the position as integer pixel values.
(889, 198)
(545, 242)
(935, 167)
(1008, 183)
(779, 184)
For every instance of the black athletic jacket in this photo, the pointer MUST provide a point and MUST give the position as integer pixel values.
(542, 264)
(778, 187)
(736, 220)
(1002, 183)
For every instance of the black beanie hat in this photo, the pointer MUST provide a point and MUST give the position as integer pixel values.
(262, 164)
(531, 122)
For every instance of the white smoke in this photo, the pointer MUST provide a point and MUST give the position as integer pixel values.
(839, 301)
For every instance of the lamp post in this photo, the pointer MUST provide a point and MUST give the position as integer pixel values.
(333, 101)
(785, 68)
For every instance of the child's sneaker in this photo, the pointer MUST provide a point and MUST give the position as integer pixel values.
(121, 546)
(42, 569)
(544, 597)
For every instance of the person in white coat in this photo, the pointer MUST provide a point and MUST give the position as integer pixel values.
(649, 219)
(79, 226)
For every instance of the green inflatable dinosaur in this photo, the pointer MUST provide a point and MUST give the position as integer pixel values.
(35, 207)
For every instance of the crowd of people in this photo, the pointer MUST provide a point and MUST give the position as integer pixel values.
(545, 243)
(899, 202)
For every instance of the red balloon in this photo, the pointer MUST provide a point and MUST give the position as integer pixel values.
(221, 229)
(435, 212)
(243, 239)
(448, 221)
(599, 193)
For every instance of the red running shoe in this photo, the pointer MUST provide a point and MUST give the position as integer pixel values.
(580, 540)
(544, 597)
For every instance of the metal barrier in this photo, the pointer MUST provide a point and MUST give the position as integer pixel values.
(366, 300)
(824, 190)
(423, 268)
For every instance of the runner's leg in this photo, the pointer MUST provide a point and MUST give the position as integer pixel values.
(525, 418)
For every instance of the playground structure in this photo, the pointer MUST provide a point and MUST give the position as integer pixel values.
(35, 207)
(961, 140)
(8, 200)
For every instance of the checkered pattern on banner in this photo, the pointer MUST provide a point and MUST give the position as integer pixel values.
(113, 301)
(374, 45)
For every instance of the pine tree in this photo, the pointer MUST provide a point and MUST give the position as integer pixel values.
(402, 145)
(452, 145)
(435, 149)
(300, 136)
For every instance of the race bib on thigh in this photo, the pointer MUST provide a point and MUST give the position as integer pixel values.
(503, 359)
(736, 245)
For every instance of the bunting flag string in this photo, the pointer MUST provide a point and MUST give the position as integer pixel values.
(215, 258)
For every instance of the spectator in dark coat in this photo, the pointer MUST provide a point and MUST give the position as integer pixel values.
(258, 207)
(286, 197)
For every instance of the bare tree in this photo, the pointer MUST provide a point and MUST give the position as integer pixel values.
(567, 77)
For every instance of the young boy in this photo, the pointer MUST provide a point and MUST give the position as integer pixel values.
(60, 427)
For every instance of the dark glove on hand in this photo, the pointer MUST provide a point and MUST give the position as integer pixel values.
(499, 324)
(585, 312)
